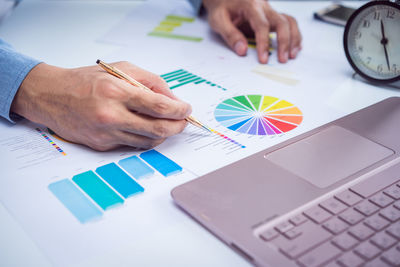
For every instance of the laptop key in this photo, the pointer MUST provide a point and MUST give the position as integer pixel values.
(392, 256)
(335, 226)
(312, 235)
(381, 200)
(376, 263)
(350, 260)
(373, 184)
(284, 227)
(298, 219)
(390, 213)
(367, 251)
(366, 207)
(376, 222)
(361, 232)
(397, 204)
(292, 234)
(348, 197)
(394, 230)
(345, 241)
(269, 234)
(393, 191)
(383, 240)
(351, 216)
(320, 255)
(333, 206)
(317, 214)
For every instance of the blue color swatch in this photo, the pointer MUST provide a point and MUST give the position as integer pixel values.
(75, 201)
(119, 180)
(101, 193)
(136, 167)
(161, 163)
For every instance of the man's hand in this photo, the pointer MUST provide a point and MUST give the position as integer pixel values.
(234, 19)
(91, 107)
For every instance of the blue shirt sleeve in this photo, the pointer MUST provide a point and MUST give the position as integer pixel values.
(13, 69)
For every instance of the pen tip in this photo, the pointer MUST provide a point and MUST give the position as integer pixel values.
(98, 61)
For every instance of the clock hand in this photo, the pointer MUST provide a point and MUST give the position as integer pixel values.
(384, 42)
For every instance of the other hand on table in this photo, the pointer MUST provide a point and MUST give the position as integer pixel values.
(234, 19)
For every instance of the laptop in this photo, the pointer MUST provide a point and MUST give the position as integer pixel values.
(328, 197)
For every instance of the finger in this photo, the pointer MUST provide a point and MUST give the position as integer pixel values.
(260, 25)
(295, 37)
(283, 36)
(150, 80)
(149, 127)
(221, 22)
(157, 105)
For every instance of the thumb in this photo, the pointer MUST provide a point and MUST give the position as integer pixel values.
(221, 22)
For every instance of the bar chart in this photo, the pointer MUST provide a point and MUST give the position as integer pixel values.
(166, 27)
(89, 194)
(182, 77)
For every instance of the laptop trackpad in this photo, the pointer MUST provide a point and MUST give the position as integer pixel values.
(329, 156)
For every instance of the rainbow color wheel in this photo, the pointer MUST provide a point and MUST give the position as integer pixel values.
(258, 115)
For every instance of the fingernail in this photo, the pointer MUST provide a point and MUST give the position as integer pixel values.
(294, 52)
(240, 48)
(264, 57)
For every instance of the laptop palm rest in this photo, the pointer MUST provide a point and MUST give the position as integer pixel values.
(328, 156)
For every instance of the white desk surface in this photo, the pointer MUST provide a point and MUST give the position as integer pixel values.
(63, 33)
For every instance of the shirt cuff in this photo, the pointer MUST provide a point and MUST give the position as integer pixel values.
(14, 67)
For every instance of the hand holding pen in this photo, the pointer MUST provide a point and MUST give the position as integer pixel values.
(91, 107)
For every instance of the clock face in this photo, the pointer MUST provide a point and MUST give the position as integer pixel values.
(372, 41)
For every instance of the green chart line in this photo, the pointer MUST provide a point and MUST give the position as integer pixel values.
(175, 36)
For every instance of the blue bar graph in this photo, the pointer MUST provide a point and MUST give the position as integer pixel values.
(161, 163)
(119, 180)
(75, 201)
(101, 193)
(136, 167)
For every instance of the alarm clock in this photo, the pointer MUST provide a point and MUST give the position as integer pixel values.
(372, 41)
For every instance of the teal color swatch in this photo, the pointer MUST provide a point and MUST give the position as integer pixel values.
(136, 167)
(119, 180)
(161, 163)
(75, 201)
(99, 191)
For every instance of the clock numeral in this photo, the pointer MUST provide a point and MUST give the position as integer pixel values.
(377, 15)
(390, 14)
(360, 48)
(379, 68)
(366, 24)
(358, 35)
(369, 60)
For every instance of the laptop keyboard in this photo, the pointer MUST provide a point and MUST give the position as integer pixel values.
(357, 227)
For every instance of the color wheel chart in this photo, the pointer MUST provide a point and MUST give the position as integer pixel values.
(258, 115)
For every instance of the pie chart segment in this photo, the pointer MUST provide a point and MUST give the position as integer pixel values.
(258, 115)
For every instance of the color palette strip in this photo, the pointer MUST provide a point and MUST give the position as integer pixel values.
(258, 115)
(88, 194)
(165, 28)
(161, 163)
(51, 141)
(101, 193)
(75, 201)
(227, 138)
(136, 167)
(182, 77)
(119, 180)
